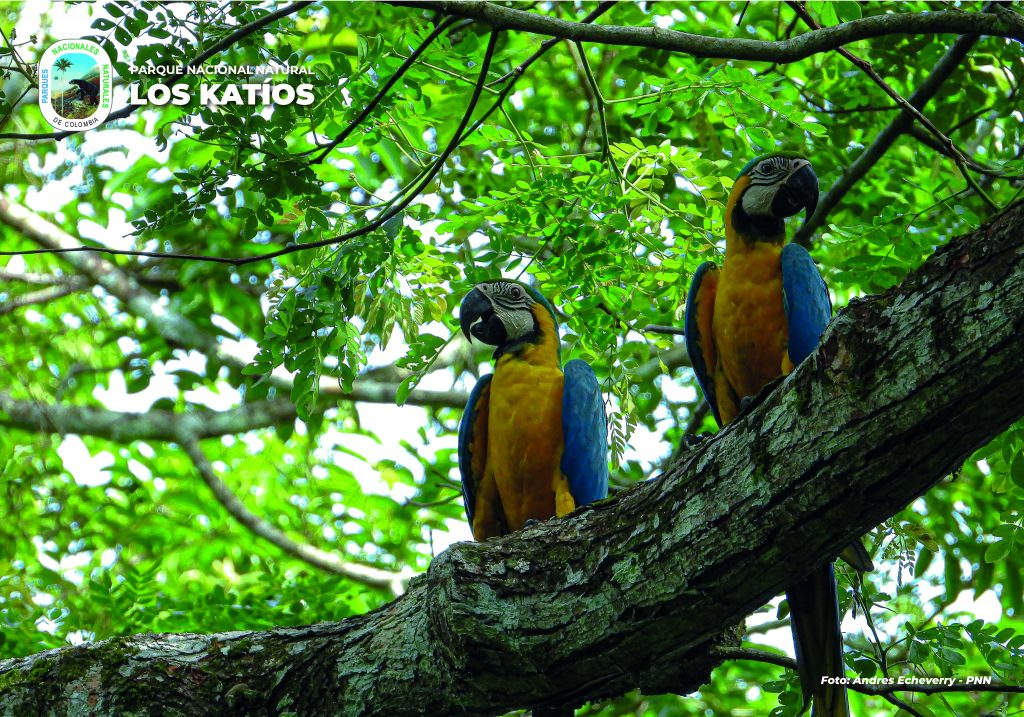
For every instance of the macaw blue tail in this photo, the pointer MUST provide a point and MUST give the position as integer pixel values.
(814, 617)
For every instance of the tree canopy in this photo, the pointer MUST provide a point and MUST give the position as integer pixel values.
(231, 375)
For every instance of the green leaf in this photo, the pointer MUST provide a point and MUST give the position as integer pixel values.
(865, 667)
(924, 559)
(847, 11)
(918, 652)
(1017, 470)
(997, 551)
(404, 389)
(760, 138)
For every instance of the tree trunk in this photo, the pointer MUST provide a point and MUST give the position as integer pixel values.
(630, 592)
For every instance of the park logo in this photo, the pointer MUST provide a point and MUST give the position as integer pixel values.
(76, 81)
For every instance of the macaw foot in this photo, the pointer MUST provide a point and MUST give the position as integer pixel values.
(747, 403)
(531, 521)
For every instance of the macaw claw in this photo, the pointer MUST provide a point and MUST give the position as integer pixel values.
(747, 403)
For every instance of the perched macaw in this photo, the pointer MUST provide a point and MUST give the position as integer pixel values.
(750, 322)
(533, 440)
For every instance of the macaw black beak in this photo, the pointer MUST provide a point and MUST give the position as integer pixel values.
(477, 319)
(799, 192)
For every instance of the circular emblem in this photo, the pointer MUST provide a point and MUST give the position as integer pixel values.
(76, 81)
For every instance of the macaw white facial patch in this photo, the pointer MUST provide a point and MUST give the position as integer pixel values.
(757, 200)
(512, 305)
(517, 322)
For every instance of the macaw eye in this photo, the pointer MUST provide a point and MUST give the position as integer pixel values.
(516, 292)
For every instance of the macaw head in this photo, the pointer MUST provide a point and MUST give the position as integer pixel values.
(506, 314)
(776, 186)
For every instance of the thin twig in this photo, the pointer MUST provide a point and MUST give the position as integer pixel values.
(876, 642)
(606, 149)
(382, 93)
(926, 139)
(661, 329)
(10, 110)
(866, 67)
(857, 169)
(24, 69)
(900, 704)
(519, 69)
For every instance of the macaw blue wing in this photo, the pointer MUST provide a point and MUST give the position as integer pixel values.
(584, 433)
(805, 300)
(473, 442)
(700, 343)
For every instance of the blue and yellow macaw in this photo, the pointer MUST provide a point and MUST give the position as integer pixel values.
(750, 322)
(533, 440)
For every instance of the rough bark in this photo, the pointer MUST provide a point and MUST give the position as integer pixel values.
(631, 592)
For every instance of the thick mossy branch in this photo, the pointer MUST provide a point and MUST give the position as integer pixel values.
(637, 590)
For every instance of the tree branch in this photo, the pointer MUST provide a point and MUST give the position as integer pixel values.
(780, 51)
(951, 150)
(42, 296)
(926, 139)
(187, 429)
(662, 329)
(671, 359)
(37, 279)
(179, 330)
(332, 563)
(634, 591)
(886, 138)
(155, 425)
(382, 93)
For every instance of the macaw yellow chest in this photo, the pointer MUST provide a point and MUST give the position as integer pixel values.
(524, 447)
(750, 322)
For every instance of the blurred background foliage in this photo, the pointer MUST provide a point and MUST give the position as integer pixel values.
(600, 174)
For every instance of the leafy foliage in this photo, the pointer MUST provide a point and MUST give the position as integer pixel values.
(600, 174)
